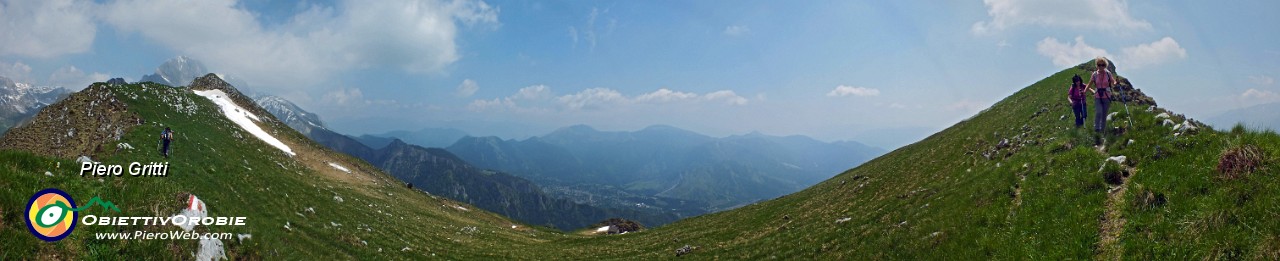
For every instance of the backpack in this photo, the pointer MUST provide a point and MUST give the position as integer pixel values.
(1102, 76)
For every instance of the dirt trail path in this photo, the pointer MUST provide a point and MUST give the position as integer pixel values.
(1112, 222)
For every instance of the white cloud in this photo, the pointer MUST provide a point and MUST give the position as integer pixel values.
(1106, 15)
(482, 105)
(727, 96)
(75, 79)
(666, 95)
(17, 71)
(1067, 54)
(1255, 94)
(467, 88)
(1154, 53)
(844, 90)
(533, 93)
(46, 28)
(593, 98)
(588, 32)
(414, 36)
(736, 30)
(1262, 80)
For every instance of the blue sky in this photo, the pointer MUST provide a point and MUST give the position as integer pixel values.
(881, 72)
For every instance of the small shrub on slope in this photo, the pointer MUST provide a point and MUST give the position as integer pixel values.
(1238, 161)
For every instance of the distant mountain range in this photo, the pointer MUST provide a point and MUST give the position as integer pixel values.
(667, 162)
(427, 137)
(20, 101)
(1258, 116)
(439, 172)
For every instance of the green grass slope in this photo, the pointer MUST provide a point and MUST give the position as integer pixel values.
(236, 174)
(1043, 197)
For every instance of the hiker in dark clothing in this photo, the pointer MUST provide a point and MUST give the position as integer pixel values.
(1100, 84)
(1075, 95)
(166, 136)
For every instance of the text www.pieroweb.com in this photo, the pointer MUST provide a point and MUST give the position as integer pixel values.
(170, 235)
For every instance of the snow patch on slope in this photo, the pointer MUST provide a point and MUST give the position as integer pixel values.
(339, 167)
(243, 118)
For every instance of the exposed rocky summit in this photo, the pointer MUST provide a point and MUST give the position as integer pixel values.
(179, 71)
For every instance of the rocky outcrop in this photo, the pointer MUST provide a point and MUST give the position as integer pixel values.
(116, 81)
(78, 125)
(179, 71)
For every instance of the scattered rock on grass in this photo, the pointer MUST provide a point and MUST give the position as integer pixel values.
(1118, 159)
(686, 249)
(211, 249)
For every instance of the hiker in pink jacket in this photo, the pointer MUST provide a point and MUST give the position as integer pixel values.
(1100, 84)
(1075, 95)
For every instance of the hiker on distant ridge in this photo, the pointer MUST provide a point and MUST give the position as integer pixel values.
(1075, 95)
(166, 136)
(1100, 84)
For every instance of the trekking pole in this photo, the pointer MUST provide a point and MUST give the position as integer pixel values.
(1124, 99)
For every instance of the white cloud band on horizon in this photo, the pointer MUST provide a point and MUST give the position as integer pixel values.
(666, 95)
(598, 98)
(1255, 94)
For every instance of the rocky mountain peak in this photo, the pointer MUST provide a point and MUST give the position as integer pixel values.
(179, 71)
